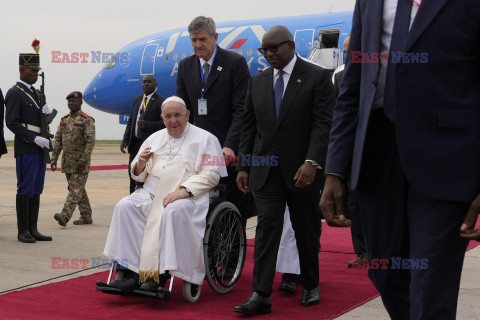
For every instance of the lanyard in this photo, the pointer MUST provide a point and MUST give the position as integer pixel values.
(144, 106)
(211, 67)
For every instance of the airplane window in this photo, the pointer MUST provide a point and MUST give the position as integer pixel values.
(240, 51)
(111, 63)
(166, 57)
(249, 52)
(175, 57)
(184, 55)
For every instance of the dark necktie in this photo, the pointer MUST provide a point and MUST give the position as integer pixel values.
(206, 69)
(278, 92)
(34, 93)
(399, 35)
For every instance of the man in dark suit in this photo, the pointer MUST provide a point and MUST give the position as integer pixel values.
(145, 119)
(407, 137)
(23, 118)
(3, 146)
(283, 146)
(213, 84)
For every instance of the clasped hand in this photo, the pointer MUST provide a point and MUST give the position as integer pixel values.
(47, 109)
(42, 142)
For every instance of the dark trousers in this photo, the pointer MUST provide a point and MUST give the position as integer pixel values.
(30, 174)
(133, 148)
(399, 222)
(304, 215)
(356, 228)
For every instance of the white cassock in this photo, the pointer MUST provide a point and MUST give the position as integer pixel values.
(181, 225)
(287, 259)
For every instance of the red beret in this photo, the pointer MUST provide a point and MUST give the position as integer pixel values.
(75, 95)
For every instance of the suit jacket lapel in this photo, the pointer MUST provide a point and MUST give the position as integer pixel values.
(150, 103)
(267, 86)
(296, 81)
(214, 72)
(193, 73)
(376, 19)
(136, 111)
(426, 12)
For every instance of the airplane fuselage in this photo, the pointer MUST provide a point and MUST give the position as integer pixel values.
(119, 82)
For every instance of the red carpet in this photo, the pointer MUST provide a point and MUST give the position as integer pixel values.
(93, 168)
(343, 289)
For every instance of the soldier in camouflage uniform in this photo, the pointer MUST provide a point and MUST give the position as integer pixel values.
(76, 136)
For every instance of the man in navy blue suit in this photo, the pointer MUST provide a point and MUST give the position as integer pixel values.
(213, 84)
(406, 133)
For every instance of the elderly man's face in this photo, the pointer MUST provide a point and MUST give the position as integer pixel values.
(28, 75)
(203, 44)
(175, 118)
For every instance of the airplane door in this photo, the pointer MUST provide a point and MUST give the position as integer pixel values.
(304, 41)
(148, 59)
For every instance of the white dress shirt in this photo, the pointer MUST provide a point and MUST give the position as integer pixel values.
(210, 61)
(389, 10)
(29, 86)
(287, 73)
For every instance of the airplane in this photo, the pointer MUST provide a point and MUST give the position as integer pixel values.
(318, 38)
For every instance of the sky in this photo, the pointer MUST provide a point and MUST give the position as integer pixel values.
(107, 26)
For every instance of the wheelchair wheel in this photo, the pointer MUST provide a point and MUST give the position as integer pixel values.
(224, 247)
(191, 292)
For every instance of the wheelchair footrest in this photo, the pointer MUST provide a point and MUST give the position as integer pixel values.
(105, 288)
(162, 294)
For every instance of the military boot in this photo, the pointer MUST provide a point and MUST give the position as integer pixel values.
(34, 207)
(61, 218)
(82, 220)
(24, 235)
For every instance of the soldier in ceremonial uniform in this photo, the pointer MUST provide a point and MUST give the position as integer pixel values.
(24, 119)
(76, 137)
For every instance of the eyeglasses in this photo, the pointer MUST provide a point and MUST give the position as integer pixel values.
(272, 48)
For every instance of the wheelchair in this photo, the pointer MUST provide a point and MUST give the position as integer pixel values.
(224, 248)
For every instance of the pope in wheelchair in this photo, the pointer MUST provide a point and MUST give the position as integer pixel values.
(158, 231)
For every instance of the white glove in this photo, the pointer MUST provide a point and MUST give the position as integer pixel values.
(41, 142)
(47, 109)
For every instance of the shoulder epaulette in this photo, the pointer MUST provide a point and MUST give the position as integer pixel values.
(85, 115)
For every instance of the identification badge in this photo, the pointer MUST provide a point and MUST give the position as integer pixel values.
(202, 107)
